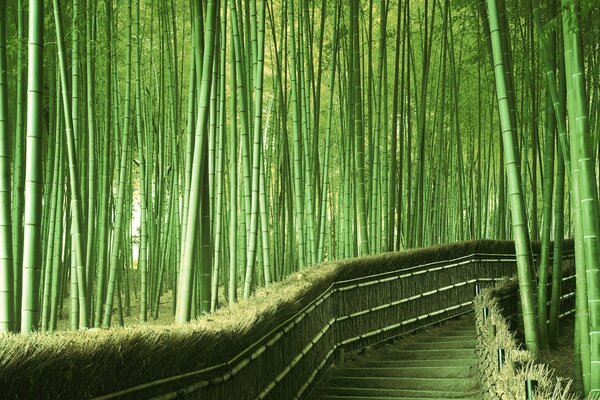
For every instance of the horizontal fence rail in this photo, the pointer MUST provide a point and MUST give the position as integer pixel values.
(349, 314)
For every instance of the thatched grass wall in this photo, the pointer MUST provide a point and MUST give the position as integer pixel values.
(498, 322)
(272, 346)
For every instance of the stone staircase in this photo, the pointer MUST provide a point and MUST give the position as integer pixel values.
(437, 364)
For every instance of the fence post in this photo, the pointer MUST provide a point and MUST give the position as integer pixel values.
(530, 386)
(501, 358)
(339, 356)
(492, 332)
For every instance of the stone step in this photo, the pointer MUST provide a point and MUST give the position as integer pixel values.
(407, 372)
(442, 396)
(372, 382)
(393, 398)
(420, 363)
(441, 344)
(370, 393)
(455, 338)
(436, 364)
(460, 332)
(430, 354)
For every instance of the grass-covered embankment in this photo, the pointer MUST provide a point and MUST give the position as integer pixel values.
(92, 363)
(496, 320)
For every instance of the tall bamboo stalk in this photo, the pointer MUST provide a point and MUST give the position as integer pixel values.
(515, 194)
(7, 312)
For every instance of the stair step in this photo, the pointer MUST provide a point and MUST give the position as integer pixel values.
(407, 372)
(461, 332)
(443, 396)
(429, 354)
(450, 345)
(446, 384)
(454, 338)
(436, 364)
(421, 363)
(370, 393)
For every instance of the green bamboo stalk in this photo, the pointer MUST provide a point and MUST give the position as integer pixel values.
(359, 131)
(7, 311)
(243, 58)
(119, 225)
(256, 148)
(582, 339)
(549, 141)
(305, 78)
(143, 249)
(233, 187)
(104, 192)
(77, 231)
(30, 302)
(559, 212)
(51, 240)
(184, 295)
(559, 217)
(515, 194)
(325, 179)
(58, 227)
(298, 154)
(581, 153)
(91, 131)
(18, 165)
(219, 244)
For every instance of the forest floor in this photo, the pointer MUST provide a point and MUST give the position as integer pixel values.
(562, 359)
(131, 317)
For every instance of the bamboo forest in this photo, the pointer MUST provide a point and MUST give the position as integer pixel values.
(312, 199)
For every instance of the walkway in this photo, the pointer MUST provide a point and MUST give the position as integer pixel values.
(436, 364)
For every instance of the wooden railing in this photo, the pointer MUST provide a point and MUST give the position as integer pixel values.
(349, 314)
